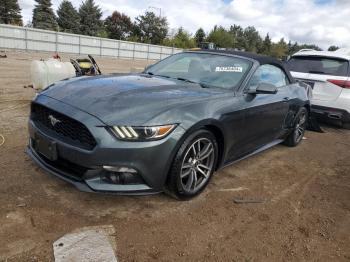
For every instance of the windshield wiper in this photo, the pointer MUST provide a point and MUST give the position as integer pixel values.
(152, 74)
(186, 80)
(193, 82)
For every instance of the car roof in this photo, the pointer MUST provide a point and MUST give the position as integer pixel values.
(261, 59)
(340, 53)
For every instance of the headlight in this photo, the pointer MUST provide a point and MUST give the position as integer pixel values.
(142, 133)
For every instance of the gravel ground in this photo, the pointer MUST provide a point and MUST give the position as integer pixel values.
(304, 214)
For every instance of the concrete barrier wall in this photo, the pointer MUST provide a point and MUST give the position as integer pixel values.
(30, 39)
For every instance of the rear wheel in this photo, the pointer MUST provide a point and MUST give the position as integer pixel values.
(193, 166)
(300, 124)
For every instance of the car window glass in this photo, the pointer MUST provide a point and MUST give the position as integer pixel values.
(178, 66)
(318, 65)
(210, 70)
(268, 74)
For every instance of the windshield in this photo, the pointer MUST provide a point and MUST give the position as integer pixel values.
(318, 65)
(208, 70)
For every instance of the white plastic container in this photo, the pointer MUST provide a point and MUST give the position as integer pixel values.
(45, 73)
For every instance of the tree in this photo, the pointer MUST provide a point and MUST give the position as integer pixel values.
(199, 36)
(68, 17)
(119, 26)
(182, 39)
(280, 49)
(266, 45)
(308, 46)
(238, 35)
(151, 28)
(90, 18)
(10, 13)
(292, 48)
(221, 37)
(253, 41)
(333, 48)
(43, 16)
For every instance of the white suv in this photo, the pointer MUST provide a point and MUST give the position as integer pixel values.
(328, 73)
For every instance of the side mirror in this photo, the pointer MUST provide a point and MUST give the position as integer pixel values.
(264, 88)
(147, 67)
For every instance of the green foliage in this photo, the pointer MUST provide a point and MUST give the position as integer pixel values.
(239, 37)
(266, 45)
(221, 37)
(333, 48)
(119, 26)
(253, 41)
(103, 33)
(68, 17)
(181, 39)
(150, 28)
(293, 48)
(43, 16)
(90, 18)
(279, 50)
(199, 37)
(307, 46)
(10, 13)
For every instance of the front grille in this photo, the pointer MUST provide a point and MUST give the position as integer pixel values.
(62, 126)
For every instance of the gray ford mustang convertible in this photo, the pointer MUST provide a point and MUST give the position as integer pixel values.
(169, 128)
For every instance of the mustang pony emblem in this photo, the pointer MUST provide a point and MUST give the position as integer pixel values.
(54, 120)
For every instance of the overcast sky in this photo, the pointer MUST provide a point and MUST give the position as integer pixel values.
(322, 22)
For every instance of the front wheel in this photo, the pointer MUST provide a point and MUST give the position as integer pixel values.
(300, 124)
(193, 165)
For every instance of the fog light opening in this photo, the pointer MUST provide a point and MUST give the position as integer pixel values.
(121, 175)
(119, 169)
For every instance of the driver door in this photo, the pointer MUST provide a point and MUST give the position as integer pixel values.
(264, 113)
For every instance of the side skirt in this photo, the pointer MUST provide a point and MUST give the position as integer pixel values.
(261, 149)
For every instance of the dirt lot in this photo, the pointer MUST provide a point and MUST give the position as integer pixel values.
(305, 215)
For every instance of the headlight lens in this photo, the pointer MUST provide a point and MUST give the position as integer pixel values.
(142, 133)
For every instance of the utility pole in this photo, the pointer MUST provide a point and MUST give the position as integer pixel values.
(157, 8)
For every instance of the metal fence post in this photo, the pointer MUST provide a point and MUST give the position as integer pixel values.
(56, 42)
(133, 52)
(26, 38)
(118, 50)
(79, 45)
(148, 48)
(100, 47)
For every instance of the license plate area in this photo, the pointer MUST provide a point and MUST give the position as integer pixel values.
(45, 146)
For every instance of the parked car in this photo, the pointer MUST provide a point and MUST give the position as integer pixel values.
(328, 74)
(169, 128)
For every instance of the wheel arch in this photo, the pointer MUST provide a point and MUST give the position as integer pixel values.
(216, 128)
(308, 107)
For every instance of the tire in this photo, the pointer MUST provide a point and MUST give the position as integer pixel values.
(298, 131)
(188, 177)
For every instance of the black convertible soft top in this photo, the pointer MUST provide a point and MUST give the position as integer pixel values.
(262, 59)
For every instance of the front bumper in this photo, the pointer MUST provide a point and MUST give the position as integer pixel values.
(84, 168)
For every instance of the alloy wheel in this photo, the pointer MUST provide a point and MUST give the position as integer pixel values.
(197, 165)
(300, 127)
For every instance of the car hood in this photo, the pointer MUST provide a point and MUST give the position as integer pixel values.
(127, 99)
